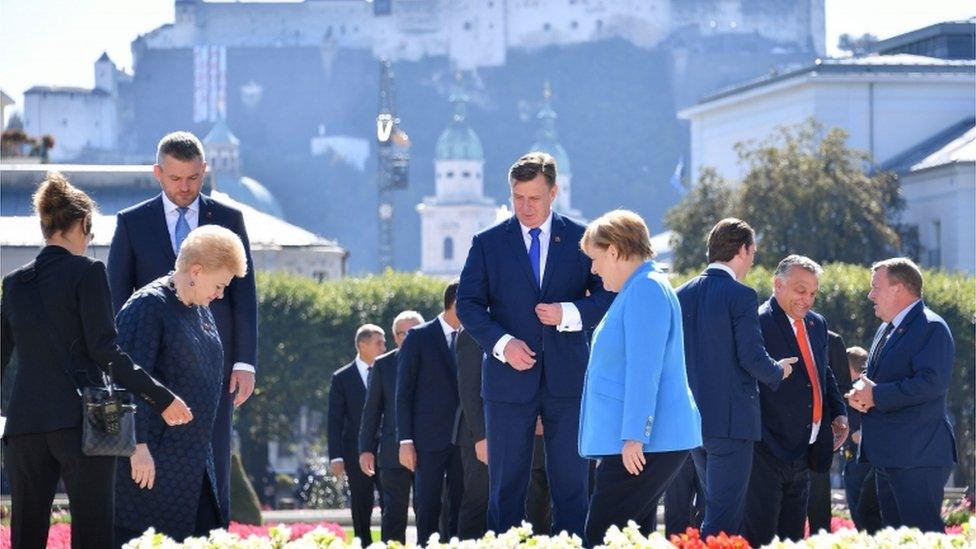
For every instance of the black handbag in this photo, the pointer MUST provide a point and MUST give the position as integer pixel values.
(108, 415)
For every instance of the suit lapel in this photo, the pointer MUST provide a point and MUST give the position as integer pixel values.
(441, 343)
(786, 329)
(898, 332)
(872, 360)
(158, 220)
(816, 343)
(521, 254)
(556, 247)
(206, 210)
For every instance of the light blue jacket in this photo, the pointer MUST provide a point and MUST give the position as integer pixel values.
(636, 386)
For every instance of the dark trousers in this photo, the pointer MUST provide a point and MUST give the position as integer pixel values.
(473, 515)
(912, 496)
(538, 507)
(862, 496)
(511, 428)
(395, 483)
(725, 465)
(34, 463)
(776, 502)
(619, 496)
(684, 500)
(818, 505)
(362, 489)
(222, 434)
(432, 468)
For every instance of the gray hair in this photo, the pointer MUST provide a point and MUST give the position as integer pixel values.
(183, 146)
(801, 261)
(407, 315)
(367, 331)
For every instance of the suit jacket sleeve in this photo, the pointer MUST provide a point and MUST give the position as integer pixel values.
(408, 364)
(646, 334)
(749, 349)
(6, 334)
(372, 410)
(472, 298)
(595, 304)
(244, 302)
(121, 265)
(834, 396)
(837, 355)
(931, 373)
(337, 407)
(469, 359)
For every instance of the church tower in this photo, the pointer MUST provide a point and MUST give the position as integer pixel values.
(547, 141)
(458, 210)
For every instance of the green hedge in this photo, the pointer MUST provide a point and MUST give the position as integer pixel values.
(843, 301)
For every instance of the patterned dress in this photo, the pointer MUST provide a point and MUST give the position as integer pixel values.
(179, 346)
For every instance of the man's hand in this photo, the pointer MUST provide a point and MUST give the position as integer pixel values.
(841, 430)
(177, 413)
(632, 455)
(367, 462)
(143, 467)
(856, 437)
(861, 397)
(481, 450)
(550, 314)
(519, 355)
(408, 456)
(242, 383)
(787, 365)
(338, 468)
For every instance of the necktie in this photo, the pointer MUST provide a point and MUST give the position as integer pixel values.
(535, 254)
(453, 346)
(880, 345)
(181, 231)
(801, 340)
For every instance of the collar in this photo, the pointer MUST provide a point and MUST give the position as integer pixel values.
(169, 207)
(904, 312)
(361, 365)
(546, 227)
(448, 330)
(723, 267)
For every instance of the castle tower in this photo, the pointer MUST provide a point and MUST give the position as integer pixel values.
(458, 209)
(547, 141)
(106, 75)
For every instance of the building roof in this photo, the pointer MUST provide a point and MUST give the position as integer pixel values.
(104, 57)
(872, 65)
(955, 144)
(5, 99)
(221, 134)
(546, 139)
(458, 141)
(251, 192)
(66, 90)
(925, 33)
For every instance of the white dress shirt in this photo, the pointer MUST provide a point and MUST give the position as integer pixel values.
(172, 214)
(723, 267)
(815, 430)
(571, 321)
(901, 316)
(363, 370)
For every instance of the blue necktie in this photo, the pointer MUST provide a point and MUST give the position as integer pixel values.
(181, 231)
(535, 254)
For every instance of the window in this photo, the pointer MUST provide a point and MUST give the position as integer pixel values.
(546, 27)
(467, 25)
(465, 174)
(450, 174)
(935, 251)
(448, 248)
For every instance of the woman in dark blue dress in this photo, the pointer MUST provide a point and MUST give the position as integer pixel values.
(169, 483)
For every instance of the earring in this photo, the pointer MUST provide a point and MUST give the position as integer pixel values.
(192, 283)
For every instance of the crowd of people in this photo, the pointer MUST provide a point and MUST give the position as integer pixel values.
(564, 382)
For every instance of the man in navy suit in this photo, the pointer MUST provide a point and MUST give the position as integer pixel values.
(378, 429)
(426, 408)
(905, 430)
(725, 357)
(804, 421)
(528, 297)
(144, 247)
(347, 396)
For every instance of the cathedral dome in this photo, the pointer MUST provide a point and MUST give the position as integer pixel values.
(546, 140)
(458, 141)
(251, 192)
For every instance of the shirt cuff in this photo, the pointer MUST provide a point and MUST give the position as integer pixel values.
(245, 367)
(337, 460)
(407, 441)
(571, 321)
(498, 351)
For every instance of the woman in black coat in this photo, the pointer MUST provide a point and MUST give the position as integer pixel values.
(65, 341)
(169, 483)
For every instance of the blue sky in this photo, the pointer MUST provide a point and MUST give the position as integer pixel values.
(56, 42)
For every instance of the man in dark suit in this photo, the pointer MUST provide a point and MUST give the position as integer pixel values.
(684, 500)
(527, 296)
(725, 357)
(860, 486)
(378, 428)
(818, 508)
(347, 396)
(905, 430)
(472, 440)
(426, 410)
(804, 420)
(144, 247)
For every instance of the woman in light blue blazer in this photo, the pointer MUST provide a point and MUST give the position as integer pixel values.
(638, 416)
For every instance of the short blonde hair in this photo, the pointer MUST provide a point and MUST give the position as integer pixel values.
(624, 230)
(213, 247)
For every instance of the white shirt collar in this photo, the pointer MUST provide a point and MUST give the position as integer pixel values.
(545, 227)
(362, 366)
(170, 207)
(724, 267)
(904, 312)
(448, 330)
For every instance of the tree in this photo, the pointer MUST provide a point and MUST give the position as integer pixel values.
(804, 192)
(704, 204)
(858, 46)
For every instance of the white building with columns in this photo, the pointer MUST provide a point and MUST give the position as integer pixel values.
(459, 209)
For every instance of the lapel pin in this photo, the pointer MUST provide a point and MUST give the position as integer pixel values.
(556, 238)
